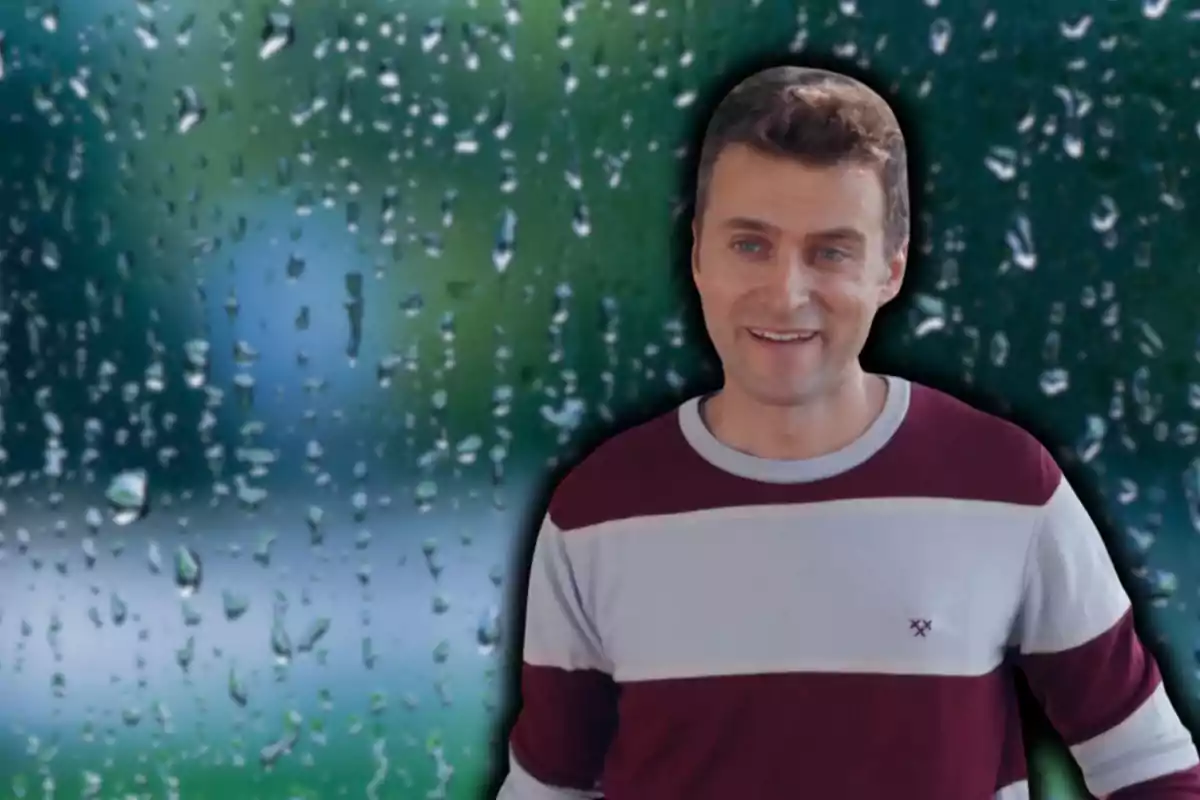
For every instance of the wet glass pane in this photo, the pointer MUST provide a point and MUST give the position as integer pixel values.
(302, 305)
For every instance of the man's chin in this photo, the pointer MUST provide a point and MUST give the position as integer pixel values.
(795, 391)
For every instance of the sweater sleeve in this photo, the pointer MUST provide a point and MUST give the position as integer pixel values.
(568, 696)
(1078, 648)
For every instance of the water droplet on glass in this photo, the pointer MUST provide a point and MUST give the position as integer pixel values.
(277, 34)
(388, 75)
(190, 110)
(314, 517)
(127, 496)
(359, 502)
(581, 221)
(234, 605)
(1092, 440)
(147, 34)
(939, 35)
(1161, 585)
(318, 628)
(262, 553)
(424, 494)
(1191, 492)
(237, 688)
(88, 546)
(187, 571)
(93, 519)
(1150, 342)
(487, 634)
(368, 653)
(568, 416)
(186, 654)
(191, 616)
(432, 34)
(250, 496)
(1002, 162)
(1154, 9)
(505, 246)
(270, 754)
(1054, 381)
(49, 15)
(1075, 30)
(1020, 242)
(1104, 215)
(162, 716)
(933, 314)
(117, 609)
(281, 643)
(467, 450)
(684, 98)
(429, 548)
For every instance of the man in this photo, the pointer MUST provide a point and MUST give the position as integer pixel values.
(817, 582)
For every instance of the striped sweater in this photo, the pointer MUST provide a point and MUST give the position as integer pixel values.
(707, 625)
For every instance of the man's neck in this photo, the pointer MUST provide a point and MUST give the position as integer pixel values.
(819, 426)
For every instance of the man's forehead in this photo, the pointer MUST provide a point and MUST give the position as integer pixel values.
(789, 196)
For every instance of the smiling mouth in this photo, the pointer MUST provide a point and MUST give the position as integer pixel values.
(782, 337)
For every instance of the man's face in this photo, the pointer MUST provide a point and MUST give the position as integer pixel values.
(790, 266)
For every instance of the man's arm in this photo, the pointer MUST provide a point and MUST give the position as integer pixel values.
(1100, 688)
(568, 711)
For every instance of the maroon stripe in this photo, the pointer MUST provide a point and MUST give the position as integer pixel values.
(795, 735)
(1012, 752)
(565, 725)
(1179, 786)
(944, 448)
(1089, 689)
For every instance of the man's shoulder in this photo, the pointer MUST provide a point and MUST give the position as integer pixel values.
(952, 418)
(966, 437)
(617, 470)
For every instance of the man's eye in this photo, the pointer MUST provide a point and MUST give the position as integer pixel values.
(749, 247)
(832, 254)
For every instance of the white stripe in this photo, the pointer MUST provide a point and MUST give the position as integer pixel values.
(840, 587)
(1072, 591)
(558, 630)
(520, 785)
(1014, 791)
(1151, 742)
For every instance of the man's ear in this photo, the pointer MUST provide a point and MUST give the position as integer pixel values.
(896, 267)
(695, 245)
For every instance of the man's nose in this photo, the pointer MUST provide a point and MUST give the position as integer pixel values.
(793, 280)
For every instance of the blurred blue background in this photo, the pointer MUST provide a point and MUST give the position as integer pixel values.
(304, 306)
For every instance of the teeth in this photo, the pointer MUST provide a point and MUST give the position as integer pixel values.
(781, 337)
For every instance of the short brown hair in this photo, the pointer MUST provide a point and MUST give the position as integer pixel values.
(816, 117)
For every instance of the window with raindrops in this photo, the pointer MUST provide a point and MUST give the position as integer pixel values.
(304, 306)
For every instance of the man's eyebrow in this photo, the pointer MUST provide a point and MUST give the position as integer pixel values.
(844, 233)
(749, 224)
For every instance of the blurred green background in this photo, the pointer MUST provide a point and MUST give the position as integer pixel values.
(304, 306)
